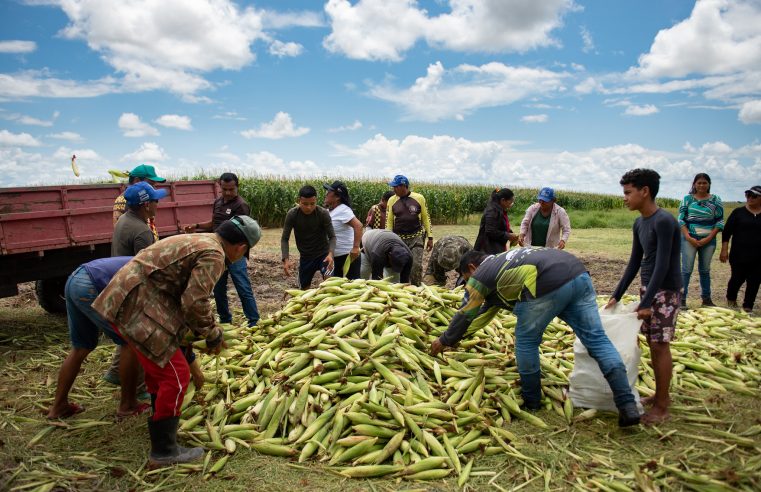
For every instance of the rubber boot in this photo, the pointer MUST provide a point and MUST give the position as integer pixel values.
(531, 391)
(628, 415)
(164, 448)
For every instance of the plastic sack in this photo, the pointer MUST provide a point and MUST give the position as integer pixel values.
(588, 387)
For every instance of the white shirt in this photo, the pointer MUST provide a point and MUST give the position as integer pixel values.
(341, 216)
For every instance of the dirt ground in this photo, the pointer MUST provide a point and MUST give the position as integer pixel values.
(269, 282)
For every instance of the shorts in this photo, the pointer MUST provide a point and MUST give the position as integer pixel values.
(85, 324)
(661, 326)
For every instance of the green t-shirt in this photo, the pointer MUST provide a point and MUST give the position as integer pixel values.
(539, 226)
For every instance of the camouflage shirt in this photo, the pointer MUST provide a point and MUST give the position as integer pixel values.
(163, 294)
(445, 257)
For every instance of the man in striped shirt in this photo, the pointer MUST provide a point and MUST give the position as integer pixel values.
(408, 217)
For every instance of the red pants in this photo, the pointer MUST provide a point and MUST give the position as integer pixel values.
(167, 383)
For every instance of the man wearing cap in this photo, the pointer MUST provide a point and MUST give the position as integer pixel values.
(157, 300)
(143, 172)
(546, 223)
(382, 249)
(408, 218)
(445, 257)
(348, 230)
(131, 235)
(229, 204)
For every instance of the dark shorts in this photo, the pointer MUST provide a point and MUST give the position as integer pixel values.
(661, 326)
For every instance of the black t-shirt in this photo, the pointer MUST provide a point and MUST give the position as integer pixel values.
(744, 229)
(226, 210)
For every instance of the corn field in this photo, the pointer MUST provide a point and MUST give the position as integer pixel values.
(271, 197)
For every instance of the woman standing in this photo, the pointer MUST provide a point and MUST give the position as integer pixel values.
(494, 231)
(546, 223)
(744, 229)
(701, 217)
(348, 231)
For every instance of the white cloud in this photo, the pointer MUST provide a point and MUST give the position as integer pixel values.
(72, 136)
(586, 39)
(347, 128)
(719, 37)
(49, 169)
(30, 120)
(386, 29)
(64, 153)
(589, 85)
(750, 112)
(283, 20)
(149, 152)
(280, 127)
(17, 46)
(443, 94)
(131, 126)
(595, 170)
(228, 115)
(281, 49)
(644, 110)
(8, 139)
(535, 118)
(165, 45)
(35, 83)
(275, 165)
(175, 121)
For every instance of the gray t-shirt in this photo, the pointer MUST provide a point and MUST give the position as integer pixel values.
(131, 234)
(314, 233)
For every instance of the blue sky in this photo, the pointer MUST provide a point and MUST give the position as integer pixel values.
(563, 93)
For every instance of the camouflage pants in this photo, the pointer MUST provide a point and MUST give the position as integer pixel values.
(416, 246)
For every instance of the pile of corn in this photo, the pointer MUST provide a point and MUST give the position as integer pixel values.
(342, 374)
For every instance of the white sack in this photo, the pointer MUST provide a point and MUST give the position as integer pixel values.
(588, 387)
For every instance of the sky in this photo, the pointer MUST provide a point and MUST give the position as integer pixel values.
(512, 93)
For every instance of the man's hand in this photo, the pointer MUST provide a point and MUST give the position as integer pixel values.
(354, 254)
(521, 238)
(513, 238)
(429, 244)
(723, 256)
(437, 347)
(330, 265)
(287, 267)
(189, 229)
(645, 313)
(216, 350)
(197, 374)
(561, 244)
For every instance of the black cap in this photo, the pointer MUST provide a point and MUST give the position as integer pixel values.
(339, 188)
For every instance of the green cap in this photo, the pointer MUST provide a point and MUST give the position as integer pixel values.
(249, 227)
(146, 172)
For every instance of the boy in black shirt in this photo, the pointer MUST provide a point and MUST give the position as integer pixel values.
(315, 237)
(655, 253)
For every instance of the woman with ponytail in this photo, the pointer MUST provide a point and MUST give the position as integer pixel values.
(494, 232)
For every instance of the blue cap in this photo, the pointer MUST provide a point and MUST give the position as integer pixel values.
(141, 192)
(399, 180)
(546, 194)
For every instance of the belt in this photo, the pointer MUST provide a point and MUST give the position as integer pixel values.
(412, 235)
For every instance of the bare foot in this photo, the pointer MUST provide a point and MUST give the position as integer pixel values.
(647, 401)
(656, 415)
(65, 411)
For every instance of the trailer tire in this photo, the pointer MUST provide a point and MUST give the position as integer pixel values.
(50, 294)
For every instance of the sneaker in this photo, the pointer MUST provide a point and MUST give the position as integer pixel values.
(707, 302)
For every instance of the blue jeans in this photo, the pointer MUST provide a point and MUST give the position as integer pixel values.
(575, 303)
(85, 323)
(704, 254)
(239, 273)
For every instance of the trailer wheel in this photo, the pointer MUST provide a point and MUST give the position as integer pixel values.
(50, 294)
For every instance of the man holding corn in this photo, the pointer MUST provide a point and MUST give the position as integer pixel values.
(407, 216)
(538, 284)
(160, 298)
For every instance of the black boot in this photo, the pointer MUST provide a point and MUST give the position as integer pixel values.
(628, 415)
(531, 391)
(164, 448)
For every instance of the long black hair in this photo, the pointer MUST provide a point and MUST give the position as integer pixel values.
(502, 194)
(697, 177)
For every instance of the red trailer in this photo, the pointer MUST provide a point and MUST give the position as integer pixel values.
(48, 231)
